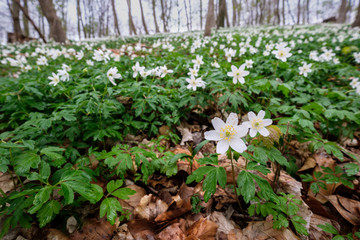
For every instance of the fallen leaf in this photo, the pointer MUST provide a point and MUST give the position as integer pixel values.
(317, 233)
(203, 229)
(310, 163)
(142, 229)
(172, 232)
(55, 234)
(123, 233)
(134, 200)
(6, 183)
(348, 208)
(94, 228)
(287, 184)
(71, 224)
(263, 230)
(185, 133)
(226, 227)
(150, 207)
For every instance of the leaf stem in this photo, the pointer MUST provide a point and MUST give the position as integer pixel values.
(234, 182)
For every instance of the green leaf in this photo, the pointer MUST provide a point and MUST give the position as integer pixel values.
(123, 193)
(48, 212)
(110, 206)
(25, 161)
(52, 152)
(246, 185)
(68, 194)
(327, 227)
(331, 147)
(351, 169)
(199, 146)
(44, 171)
(113, 185)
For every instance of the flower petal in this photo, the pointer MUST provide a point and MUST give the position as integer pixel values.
(241, 130)
(264, 132)
(253, 132)
(267, 122)
(232, 119)
(261, 114)
(238, 145)
(218, 123)
(212, 135)
(222, 146)
(230, 74)
(234, 80)
(233, 68)
(251, 115)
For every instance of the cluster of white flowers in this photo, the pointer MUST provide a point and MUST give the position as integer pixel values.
(160, 72)
(193, 72)
(113, 74)
(230, 134)
(61, 75)
(305, 69)
(238, 74)
(282, 52)
(357, 57)
(355, 84)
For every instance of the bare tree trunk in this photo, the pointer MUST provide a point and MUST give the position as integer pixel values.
(116, 23)
(356, 23)
(342, 12)
(201, 18)
(261, 17)
(25, 20)
(187, 17)
(239, 6)
(221, 15)
(234, 3)
(298, 11)
(131, 22)
(15, 14)
(178, 11)
(307, 11)
(30, 20)
(190, 15)
(154, 15)
(57, 31)
(277, 12)
(210, 18)
(163, 14)
(283, 12)
(143, 17)
(227, 16)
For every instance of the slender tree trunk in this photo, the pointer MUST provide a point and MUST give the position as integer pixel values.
(234, 3)
(132, 28)
(307, 11)
(201, 18)
(283, 12)
(239, 6)
(163, 14)
(57, 31)
(154, 15)
(356, 23)
(261, 17)
(278, 12)
(143, 18)
(187, 17)
(221, 15)
(210, 18)
(190, 15)
(116, 23)
(298, 11)
(342, 12)
(25, 12)
(227, 16)
(15, 14)
(26, 20)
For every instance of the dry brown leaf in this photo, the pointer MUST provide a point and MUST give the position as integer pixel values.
(226, 227)
(172, 232)
(6, 183)
(55, 234)
(134, 200)
(150, 207)
(122, 233)
(185, 133)
(94, 228)
(310, 163)
(348, 208)
(317, 207)
(287, 184)
(164, 130)
(203, 229)
(142, 229)
(71, 224)
(263, 230)
(316, 233)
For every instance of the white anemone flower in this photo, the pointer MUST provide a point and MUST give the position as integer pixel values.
(238, 74)
(113, 74)
(305, 69)
(198, 61)
(137, 69)
(64, 75)
(195, 82)
(54, 79)
(282, 53)
(258, 124)
(228, 134)
(193, 71)
(164, 71)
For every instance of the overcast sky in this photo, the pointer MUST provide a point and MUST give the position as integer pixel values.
(122, 11)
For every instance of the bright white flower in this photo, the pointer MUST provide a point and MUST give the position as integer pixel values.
(357, 57)
(327, 55)
(113, 74)
(266, 53)
(238, 74)
(54, 79)
(229, 53)
(144, 73)
(249, 63)
(258, 124)
(64, 75)
(215, 64)
(194, 83)
(79, 55)
(66, 67)
(282, 53)
(163, 70)
(354, 82)
(137, 69)
(89, 62)
(305, 69)
(99, 55)
(193, 71)
(227, 134)
(42, 61)
(198, 61)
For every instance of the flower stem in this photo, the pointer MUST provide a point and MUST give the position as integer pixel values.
(234, 182)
